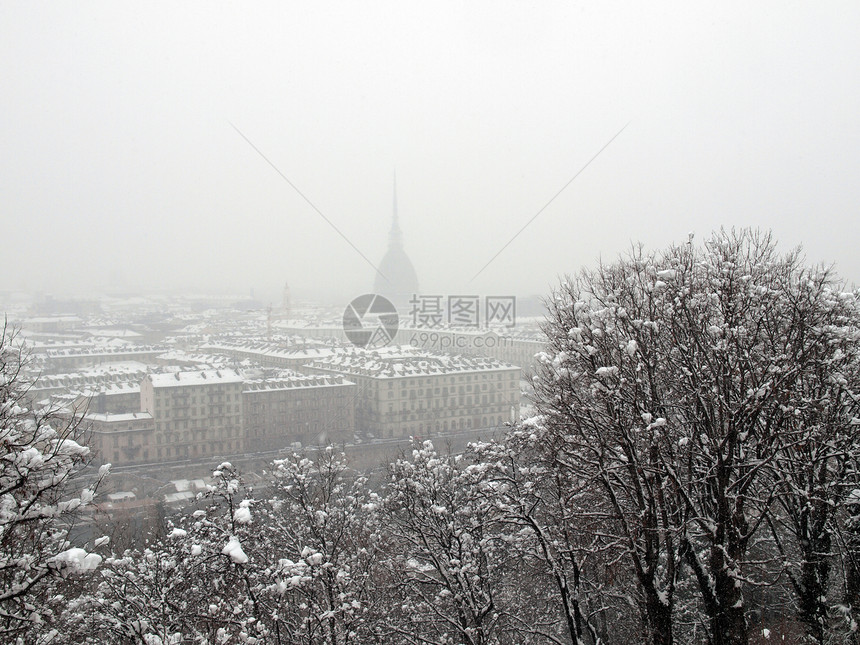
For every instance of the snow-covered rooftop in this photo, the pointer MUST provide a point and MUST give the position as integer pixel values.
(183, 485)
(269, 350)
(121, 496)
(295, 381)
(112, 332)
(201, 377)
(104, 350)
(89, 381)
(403, 361)
(113, 389)
(118, 417)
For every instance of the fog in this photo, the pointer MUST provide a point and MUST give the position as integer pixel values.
(121, 168)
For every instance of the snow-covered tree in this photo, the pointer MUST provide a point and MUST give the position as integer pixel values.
(680, 382)
(205, 581)
(604, 410)
(452, 571)
(41, 499)
(815, 468)
(553, 531)
(327, 563)
(848, 538)
(297, 565)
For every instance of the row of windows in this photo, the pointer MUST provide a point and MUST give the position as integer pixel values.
(296, 403)
(196, 435)
(407, 382)
(259, 430)
(428, 413)
(180, 396)
(199, 425)
(184, 411)
(444, 391)
(439, 403)
(284, 417)
(183, 396)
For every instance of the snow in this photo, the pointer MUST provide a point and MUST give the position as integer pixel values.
(607, 371)
(203, 377)
(242, 515)
(119, 417)
(233, 549)
(70, 447)
(173, 498)
(180, 484)
(311, 557)
(31, 458)
(77, 560)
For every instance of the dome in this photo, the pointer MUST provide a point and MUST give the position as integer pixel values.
(396, 278)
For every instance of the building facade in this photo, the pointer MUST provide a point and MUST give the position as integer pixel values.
(291, 409)
(121, 439)
(405, 392)
(197, 414)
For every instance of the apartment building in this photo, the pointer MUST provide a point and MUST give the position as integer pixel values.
(197, 414)
(297, 408)
(403, 391)
(121, 439)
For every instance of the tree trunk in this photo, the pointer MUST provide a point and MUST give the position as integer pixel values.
(728, 623)
(659, 620)
(814, 575)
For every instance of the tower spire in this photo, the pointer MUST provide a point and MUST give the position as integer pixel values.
(396, 278)
(396, 235)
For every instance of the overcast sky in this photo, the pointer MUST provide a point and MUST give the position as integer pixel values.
(119, 165)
